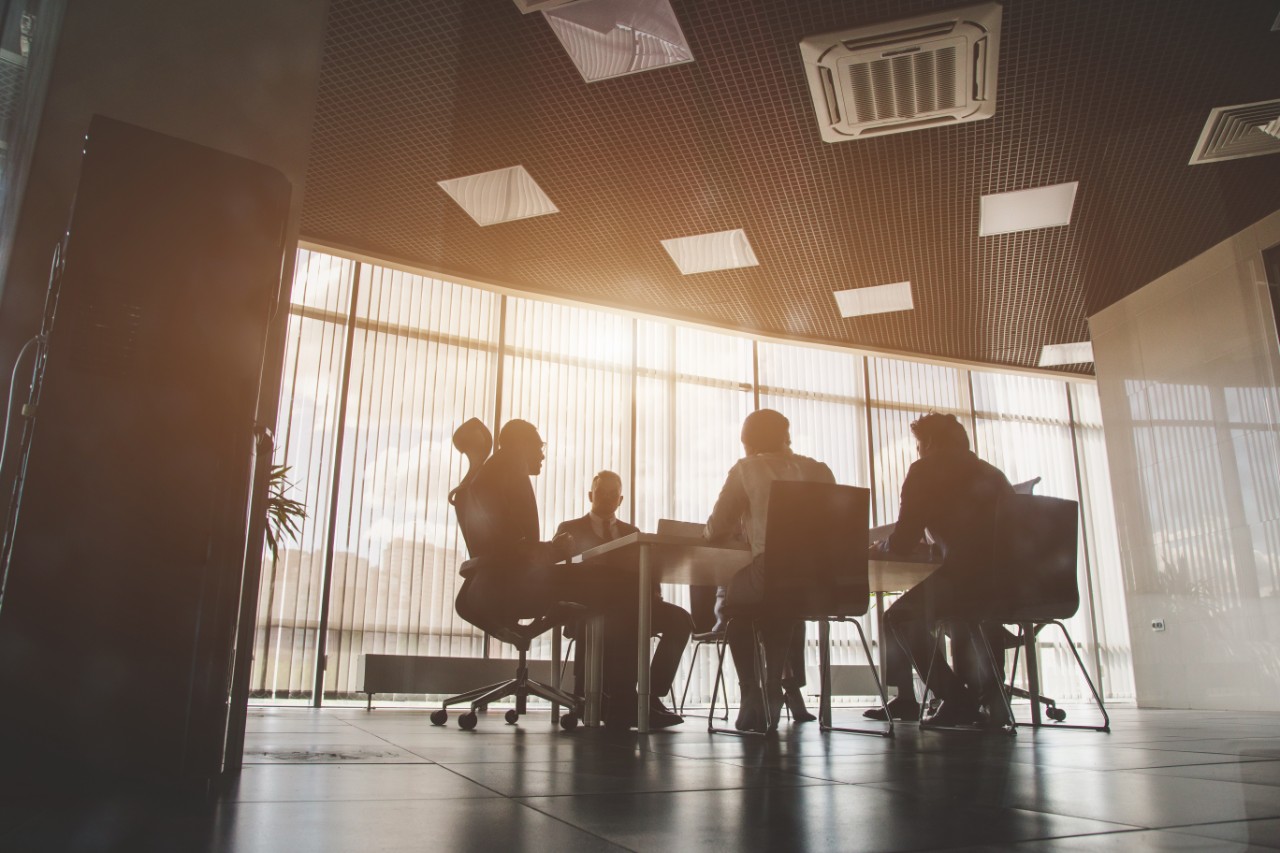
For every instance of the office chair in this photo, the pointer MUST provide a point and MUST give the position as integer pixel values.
(476, 521)
(1036, 540)
(702, 606)
(815, 569)
(1035, 564)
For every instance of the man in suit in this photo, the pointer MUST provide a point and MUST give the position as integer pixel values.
(671, 624)
(516, 575)
(952, 494)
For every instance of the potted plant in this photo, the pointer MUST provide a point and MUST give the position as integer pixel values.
(284, 515)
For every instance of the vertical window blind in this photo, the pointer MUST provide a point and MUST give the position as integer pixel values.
(383, 365)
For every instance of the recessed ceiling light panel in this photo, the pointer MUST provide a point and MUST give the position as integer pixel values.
(1060, 355)
(879, 299)
(1024, 210)
(612, 38)
(723, 250)
(502, 195)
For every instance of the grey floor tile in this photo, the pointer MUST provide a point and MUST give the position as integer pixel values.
(482, 825)
(1259, 833)
(1147, 800)
(330, 753)
(298, 782)
(820, 817)
(1154, 840)
(1251, 772)
(623, 773)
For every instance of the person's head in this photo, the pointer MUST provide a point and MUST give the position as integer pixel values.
(520, 439)
(605, 494)
(765, 431)
(936, 431)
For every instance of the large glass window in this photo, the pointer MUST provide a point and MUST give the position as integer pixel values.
(383, 365)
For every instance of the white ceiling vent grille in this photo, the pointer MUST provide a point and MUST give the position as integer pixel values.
(910, 74)
(1245, 130)
(528, 6)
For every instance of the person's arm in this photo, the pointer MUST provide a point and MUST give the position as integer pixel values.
(726, 517)
(908, 532)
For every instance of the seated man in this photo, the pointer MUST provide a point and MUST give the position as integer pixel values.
(952, 494)
(671, 623)
(743, 505)
(518, 576)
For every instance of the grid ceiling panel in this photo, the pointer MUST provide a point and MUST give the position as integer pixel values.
(1112, 95)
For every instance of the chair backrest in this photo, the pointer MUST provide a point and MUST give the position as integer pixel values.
(816, 550)
(1035, 557)
(1026, 487)
(475, 441)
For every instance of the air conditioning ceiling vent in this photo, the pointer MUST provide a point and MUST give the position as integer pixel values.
(910, 74)
(528, 6)
(1244, 130)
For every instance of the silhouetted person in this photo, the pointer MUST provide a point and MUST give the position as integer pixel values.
(952, 494)
(518, 575)
(671, 623)
(743, 505)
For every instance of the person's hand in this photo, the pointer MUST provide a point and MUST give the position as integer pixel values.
(562, 544)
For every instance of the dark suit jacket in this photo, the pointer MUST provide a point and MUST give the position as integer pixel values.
(953, 495)
(504, 513)
(584, 537)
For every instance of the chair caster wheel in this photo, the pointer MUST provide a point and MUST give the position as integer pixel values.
(1055, 714)
(512, 717)
(569, 722)
(439, 718)
(468, 720)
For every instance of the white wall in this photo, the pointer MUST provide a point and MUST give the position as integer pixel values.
(1187, 375)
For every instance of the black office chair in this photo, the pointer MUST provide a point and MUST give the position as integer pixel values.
(476, 520)
(1034, 564)
(815, 569)
(1036, 540)
(702, 606)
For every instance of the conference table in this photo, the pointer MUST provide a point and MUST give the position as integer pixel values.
(672, 559)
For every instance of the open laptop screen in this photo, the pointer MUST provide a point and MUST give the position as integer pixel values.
(686, 529)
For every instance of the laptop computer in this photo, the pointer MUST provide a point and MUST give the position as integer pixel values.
(683, 529)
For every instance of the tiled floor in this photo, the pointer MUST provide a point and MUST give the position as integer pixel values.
(348, 780)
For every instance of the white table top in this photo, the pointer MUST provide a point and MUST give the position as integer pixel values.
(681, 560)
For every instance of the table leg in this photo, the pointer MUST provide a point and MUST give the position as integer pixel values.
(642, 641)
(1033, 671)
(824, 672)
(882, 646)
(593, 673)
(555, 673)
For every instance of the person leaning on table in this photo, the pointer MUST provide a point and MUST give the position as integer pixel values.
(952, 494)
(517, 574)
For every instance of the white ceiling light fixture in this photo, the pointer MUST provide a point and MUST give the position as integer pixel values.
(880, 299)
(927, 71)
(613, 38)
(1061, 355)
(1024, 210)
(502, 195)
(723, 250)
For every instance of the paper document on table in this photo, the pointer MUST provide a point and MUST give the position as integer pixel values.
(877, 534)
(683, 529)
